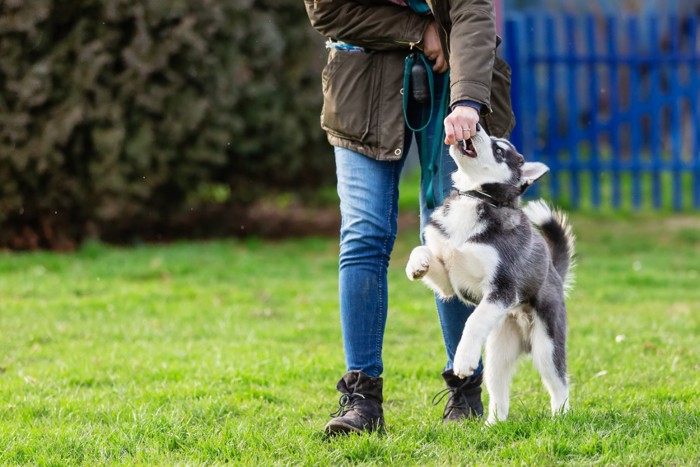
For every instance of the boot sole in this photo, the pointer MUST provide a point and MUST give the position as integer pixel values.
(335, 427)
(340, 428)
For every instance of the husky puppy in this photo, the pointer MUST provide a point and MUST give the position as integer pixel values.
(482, 247)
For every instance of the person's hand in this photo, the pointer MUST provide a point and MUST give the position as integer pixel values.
(460, 125)
(432, 48)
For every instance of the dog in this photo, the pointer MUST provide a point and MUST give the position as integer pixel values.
(514, 264)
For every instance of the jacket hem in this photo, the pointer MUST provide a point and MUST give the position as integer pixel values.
(369, 151)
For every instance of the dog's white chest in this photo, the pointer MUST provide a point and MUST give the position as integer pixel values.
(467, 263)
(469, 266)
(474, 265)
(461, 221)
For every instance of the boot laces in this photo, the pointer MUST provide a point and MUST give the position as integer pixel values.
(346, 402)
(457, 397)
(454, 401)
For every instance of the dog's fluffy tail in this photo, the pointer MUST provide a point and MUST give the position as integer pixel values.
(557, 231)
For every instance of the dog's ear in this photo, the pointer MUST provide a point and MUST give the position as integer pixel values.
(532, 171)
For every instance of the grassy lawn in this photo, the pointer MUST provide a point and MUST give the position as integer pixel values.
(229, 352)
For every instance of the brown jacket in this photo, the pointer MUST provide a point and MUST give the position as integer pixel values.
(362, 105)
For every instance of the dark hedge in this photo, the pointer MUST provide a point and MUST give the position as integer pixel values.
(117, 116)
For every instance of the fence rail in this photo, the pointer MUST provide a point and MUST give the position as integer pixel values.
(611, 105)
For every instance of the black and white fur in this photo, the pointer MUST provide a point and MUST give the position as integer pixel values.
(482, 247)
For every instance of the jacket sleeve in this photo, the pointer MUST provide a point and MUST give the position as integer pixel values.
(376, 27)
(472, 51)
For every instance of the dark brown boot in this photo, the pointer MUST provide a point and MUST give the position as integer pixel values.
(464, 399)
(360, 405)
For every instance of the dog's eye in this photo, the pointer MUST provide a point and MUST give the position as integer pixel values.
(499, 151)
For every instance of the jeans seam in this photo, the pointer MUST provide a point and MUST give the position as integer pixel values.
(384, 293)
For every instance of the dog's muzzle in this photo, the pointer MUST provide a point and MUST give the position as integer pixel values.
(466, 148)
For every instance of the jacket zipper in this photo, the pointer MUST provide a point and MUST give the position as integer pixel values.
(410, 45)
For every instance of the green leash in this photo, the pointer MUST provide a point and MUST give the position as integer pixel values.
(429, 157)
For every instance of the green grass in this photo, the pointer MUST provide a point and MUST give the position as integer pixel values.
(229, 351)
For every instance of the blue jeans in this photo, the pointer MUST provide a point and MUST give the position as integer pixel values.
(369, 192)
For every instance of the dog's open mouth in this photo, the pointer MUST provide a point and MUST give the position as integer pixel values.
(466, 148)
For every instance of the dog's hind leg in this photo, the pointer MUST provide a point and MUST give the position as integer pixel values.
(503, 347)
(422, 264)
(548, 355)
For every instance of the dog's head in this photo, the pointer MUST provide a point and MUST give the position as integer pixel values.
(485, 159)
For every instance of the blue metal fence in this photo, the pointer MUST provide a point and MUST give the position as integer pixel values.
(611, 105)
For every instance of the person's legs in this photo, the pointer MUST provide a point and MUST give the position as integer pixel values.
(368, 191)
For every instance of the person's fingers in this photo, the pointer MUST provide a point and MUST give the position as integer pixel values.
(446, 64)
(450, 133)
(440, 64)
(472, 129)
(437, 64)
(461, 124)
(467, 121)
(462, 134)
(457, 134)
(432, 46)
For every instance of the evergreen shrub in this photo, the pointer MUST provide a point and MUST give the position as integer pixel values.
(118, 115)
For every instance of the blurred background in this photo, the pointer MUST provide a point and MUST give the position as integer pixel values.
(127, 121)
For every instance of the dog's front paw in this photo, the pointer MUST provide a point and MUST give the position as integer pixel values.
(466, 362)
(418, 263)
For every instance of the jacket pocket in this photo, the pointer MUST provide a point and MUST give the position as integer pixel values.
(348, 92)
(501, 120)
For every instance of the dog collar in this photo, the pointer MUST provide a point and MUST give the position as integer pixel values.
(490, 199)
